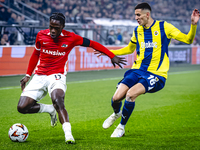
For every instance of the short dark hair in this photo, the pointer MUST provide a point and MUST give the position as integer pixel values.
(143, 6)
(58, 16)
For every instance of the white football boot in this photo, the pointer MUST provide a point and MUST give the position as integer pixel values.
(111, 119)
(53, 118)
(118, 132)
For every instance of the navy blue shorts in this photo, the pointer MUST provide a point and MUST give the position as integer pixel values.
(150, 81)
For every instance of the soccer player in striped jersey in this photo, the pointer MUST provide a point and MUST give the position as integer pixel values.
(50, 57)
(149, 72)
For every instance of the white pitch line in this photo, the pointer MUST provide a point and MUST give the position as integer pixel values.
(105, 79)
(12, 87)
(183, 72)
(86, 81)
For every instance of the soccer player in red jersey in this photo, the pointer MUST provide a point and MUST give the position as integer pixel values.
(50, 57)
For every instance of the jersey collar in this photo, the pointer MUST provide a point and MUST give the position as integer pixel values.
(62, 34)
(150, 26)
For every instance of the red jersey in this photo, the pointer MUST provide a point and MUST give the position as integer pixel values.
(53, 53)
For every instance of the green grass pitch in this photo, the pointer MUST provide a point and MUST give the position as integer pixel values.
(166, 120)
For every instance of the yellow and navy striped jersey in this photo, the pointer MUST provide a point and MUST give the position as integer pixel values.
(151, 46)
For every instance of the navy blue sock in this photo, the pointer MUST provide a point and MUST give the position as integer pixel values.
(116, 106)
(126, 112)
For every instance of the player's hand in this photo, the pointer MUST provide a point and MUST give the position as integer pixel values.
(23, 82)
(118, 61)
(98, 53)
(195, 16)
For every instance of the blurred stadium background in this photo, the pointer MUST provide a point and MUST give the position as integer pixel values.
(167, 120)
(110, 22)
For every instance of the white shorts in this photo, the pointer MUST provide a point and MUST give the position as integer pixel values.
(41, 84)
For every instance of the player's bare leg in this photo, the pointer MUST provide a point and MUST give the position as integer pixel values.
(116, 104)
(29, 105)
(128, 107)
(58, 101)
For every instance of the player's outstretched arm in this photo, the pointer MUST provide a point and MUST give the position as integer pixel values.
(33, 62)
(129, 49)
(102, 49)
(98, 53)
(188, 38)
(115, 60)
(195, 17)
(31, 66)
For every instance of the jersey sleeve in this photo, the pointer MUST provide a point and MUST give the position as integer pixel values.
(173, 32)
(37, 42)
(33, 62)
(187, 38)
(133, 38)
(125, 50)
(35, 56)
(97, 46)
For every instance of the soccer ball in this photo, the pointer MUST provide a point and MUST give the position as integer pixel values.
(18, 132)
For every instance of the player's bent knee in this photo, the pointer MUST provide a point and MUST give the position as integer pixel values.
(24, 104)
(131, 98)
(116, 99)
(21, 109)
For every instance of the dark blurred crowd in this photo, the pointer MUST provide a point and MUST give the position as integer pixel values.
(77, 11)
(9, 39)
(10, 17)
(118, 37)
(115, 9)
